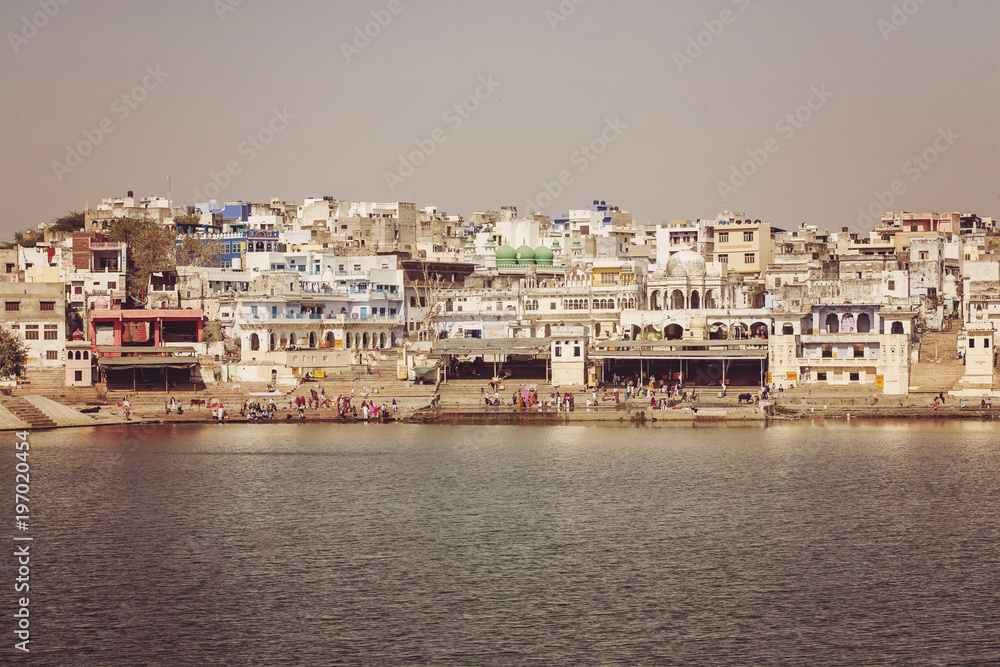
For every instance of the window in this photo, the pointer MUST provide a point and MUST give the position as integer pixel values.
(723, 259)
(892, 285)
(855, 377)
(777, 282)
(112, 285)
(748, 236)
(972, 343)
(77, 289)
(52, 355)
(723, 237)
(576, 350)
(12, 306)
(821, 377)
(923, 254)
(552, 305)
(51, 332)
(748, 258)
(48, 305)
(30, 332)
(78, 376)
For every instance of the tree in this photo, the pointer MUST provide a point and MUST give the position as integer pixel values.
(428, 288)
(71, 222)
(151, 247)
(27, 237)
(194, 251)
(13, 354)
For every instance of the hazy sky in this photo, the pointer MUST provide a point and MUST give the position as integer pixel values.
(654, 106)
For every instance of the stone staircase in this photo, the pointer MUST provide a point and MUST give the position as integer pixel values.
(28, 413)
(52, 384)
(938, 368)
(407, 395)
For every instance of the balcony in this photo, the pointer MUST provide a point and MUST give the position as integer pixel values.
(105, 245)
(834, 338)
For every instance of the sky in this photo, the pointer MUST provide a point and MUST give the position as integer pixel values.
(788, 111)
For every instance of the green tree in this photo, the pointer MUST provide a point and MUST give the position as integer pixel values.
(151, 247)
(71, 222)
(13, 354)
(27, 237)
(193, 251)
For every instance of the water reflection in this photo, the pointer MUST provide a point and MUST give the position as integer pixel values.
(822, 542)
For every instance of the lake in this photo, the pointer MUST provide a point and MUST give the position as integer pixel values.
(806, 543)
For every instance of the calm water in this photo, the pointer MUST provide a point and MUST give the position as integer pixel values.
(389, 544)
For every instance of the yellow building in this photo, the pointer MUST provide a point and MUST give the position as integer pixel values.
(612, 274)
(745, 246)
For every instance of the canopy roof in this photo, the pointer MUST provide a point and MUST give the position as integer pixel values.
(122, 363)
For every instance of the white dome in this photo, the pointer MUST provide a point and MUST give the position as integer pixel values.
(686, 263)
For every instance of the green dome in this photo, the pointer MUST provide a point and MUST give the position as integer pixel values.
(576, 242)
(556, 244)
(543, 256)
(471, 241)
(491, 241)
(525, 255)
(506, 257)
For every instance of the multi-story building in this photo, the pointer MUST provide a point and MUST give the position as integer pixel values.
(743, 245)
(863, 344)
(37, 313)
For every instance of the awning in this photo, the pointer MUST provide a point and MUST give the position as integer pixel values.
(423, 370)
(128, 363)
(144, 350)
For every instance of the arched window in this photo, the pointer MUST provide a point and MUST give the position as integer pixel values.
(847, 323)
(272, 342)
(364, 339)
(291, 339)
(897, 328)
(695, 299)
(347, 341)
(864, 323)
(86, 355)
(832, 323)
(787, 330)
(677, 300)
(254, 342)
(312, 339)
